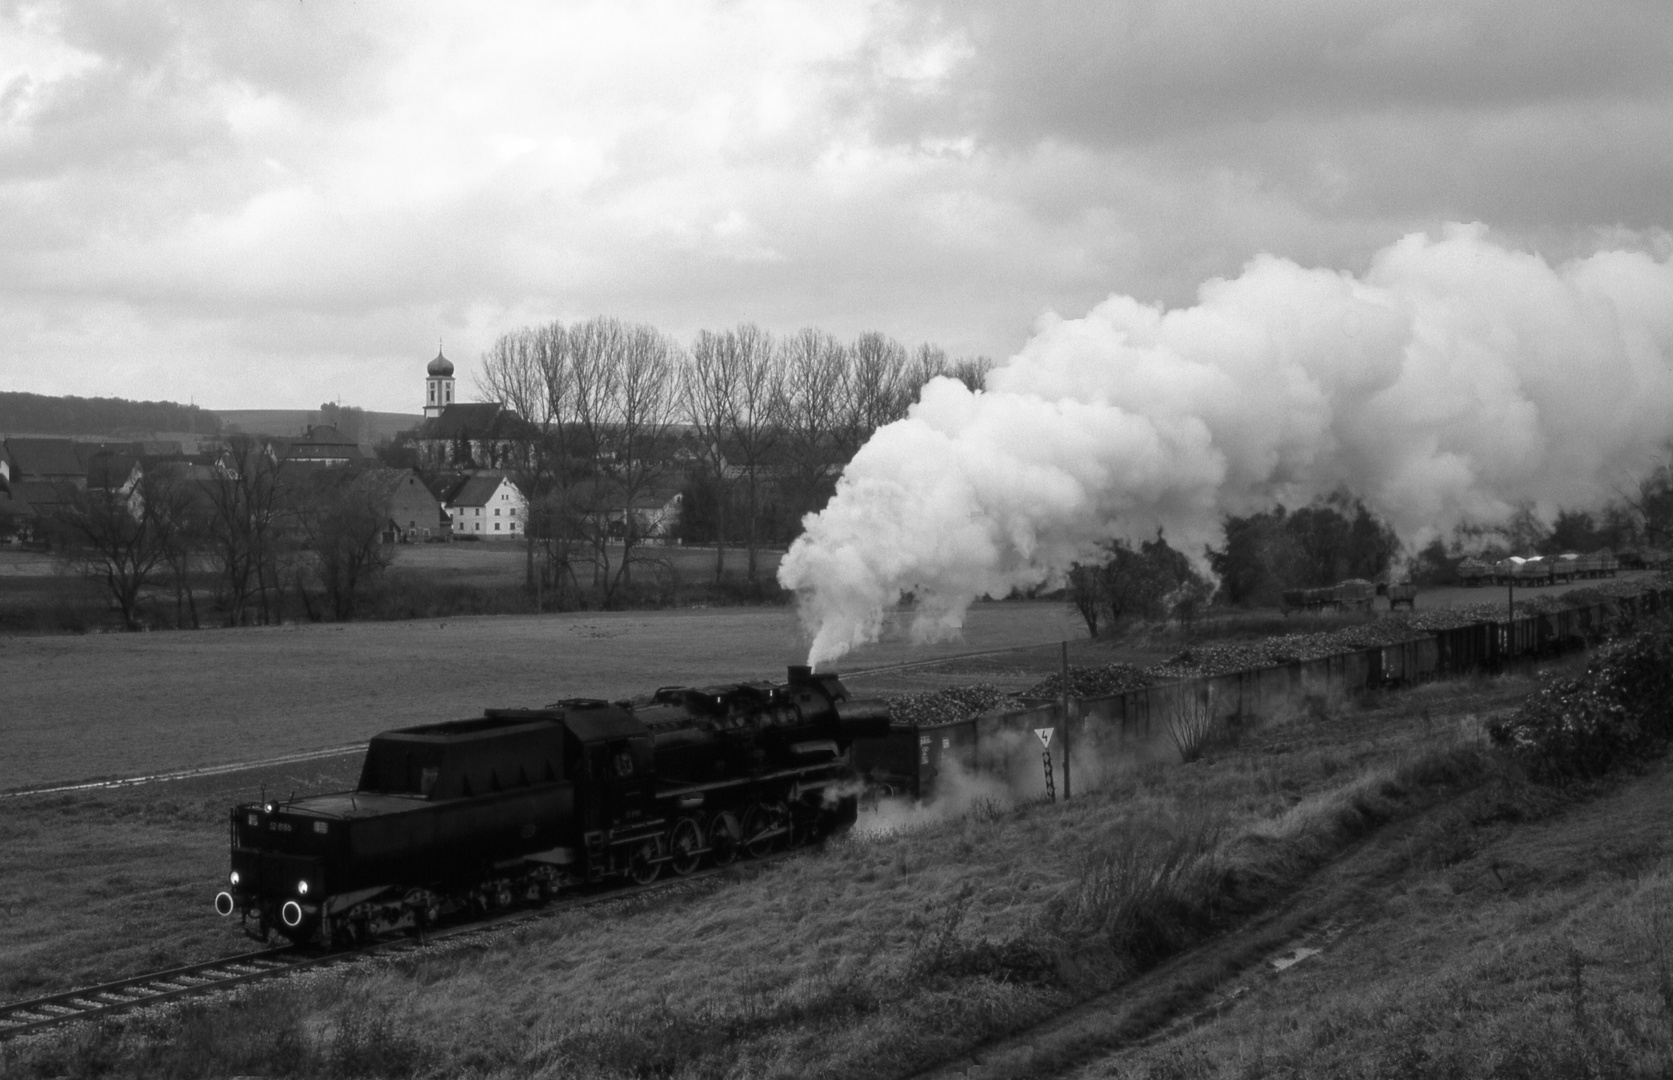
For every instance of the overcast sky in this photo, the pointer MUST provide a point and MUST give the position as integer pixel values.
(272, 204)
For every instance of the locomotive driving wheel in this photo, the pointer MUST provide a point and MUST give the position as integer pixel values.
(766, 828)
(643, 865)
(725, 836)
(685, 846)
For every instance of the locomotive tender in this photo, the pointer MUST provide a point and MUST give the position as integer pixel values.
(520, 803)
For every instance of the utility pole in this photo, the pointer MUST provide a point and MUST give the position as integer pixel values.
(1065, 668)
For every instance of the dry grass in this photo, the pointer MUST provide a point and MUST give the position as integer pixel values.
(1539, 951)
(97, 885)
(881, 956)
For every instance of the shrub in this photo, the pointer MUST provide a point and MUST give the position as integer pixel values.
(1143, 897)
(1191, 726)
(1619, 709)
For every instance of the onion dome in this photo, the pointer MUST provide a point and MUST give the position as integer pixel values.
(441, 365)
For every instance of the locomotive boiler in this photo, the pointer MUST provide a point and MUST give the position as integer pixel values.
(518, 804)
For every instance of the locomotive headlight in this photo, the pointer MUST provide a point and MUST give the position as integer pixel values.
(268, 808)
(302, 888)
(235, 879)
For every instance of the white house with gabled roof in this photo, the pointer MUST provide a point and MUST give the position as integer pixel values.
(487, 506)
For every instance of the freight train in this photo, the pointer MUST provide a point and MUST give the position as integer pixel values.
(917, 761)
(519, 804)
(1355, 594)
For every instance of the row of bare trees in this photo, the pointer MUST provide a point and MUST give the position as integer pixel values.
(619, 407)
(260, 535)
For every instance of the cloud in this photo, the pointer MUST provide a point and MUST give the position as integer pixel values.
(206, 174)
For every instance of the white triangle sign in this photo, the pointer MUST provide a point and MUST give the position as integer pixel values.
(1045, 736)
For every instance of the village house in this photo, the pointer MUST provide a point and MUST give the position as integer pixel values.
(415, 515)
(486, 506)
(44, 461)
(321, 445)
(117, 476)
(652, 514)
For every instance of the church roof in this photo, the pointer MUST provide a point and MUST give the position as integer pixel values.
(441, 365)
(476, 420)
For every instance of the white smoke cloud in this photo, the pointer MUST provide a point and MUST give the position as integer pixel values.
(1453, 380)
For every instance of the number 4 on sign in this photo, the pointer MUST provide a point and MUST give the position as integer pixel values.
(1044, 735)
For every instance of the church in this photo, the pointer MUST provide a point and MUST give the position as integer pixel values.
(470, 436)
(473, 446)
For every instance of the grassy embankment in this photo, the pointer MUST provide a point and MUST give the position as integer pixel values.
(881, 956)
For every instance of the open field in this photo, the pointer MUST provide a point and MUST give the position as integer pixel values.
(883, 955)
(504, 562)
(80, 707)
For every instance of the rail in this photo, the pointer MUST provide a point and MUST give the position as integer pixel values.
(211, 976)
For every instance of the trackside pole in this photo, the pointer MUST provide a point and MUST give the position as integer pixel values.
(1067, 787)
(1044, 735)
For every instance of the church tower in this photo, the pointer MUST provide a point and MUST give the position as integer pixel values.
(438, 385)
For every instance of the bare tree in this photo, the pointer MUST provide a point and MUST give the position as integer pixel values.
(876, 373)
(815, 380)
(754, 422)
(706, 394)
(180, 508)
(243, 529)
(972, 371)
(118, 538)
(623, 378)
(1649, 506)
(740, 376)
(527, 370)
(928, 362)
(343, 515)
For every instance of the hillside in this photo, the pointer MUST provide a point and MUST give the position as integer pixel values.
(1360, 882)
(118, 418)
(379, 425)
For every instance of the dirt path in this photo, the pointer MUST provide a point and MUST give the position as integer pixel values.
(1336, 916)
(1211, 979)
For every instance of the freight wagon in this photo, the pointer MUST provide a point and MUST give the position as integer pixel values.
(918, 761)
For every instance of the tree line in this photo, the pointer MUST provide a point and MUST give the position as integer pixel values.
(40, 414)
(271, 540)
(756, 425)
(1337, 538)
(1638, 519)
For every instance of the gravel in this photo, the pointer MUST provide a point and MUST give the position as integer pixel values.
(1092, 682)
(953, 703)
(1224, 658)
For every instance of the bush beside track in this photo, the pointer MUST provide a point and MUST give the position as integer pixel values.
(1620, 709)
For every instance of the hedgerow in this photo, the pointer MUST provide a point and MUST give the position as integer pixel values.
(1619, 709)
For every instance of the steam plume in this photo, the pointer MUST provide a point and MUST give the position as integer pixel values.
(1454, 380)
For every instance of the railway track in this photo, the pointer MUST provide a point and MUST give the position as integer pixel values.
(139, 991)
(21, 1017)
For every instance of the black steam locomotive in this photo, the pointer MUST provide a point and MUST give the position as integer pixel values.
(520, 803)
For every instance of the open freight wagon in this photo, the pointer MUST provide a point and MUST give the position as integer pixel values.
(923, 762)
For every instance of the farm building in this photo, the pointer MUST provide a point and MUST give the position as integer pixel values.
(487, 506)
(415, 515)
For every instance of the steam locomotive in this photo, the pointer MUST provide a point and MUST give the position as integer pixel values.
(518, 804)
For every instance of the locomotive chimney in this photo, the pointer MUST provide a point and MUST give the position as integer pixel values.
(800, 673)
